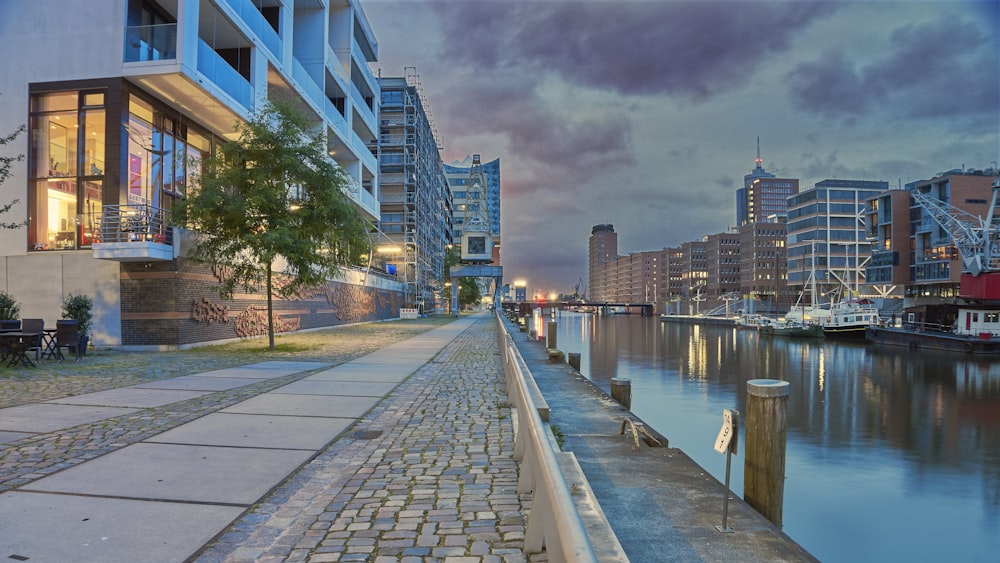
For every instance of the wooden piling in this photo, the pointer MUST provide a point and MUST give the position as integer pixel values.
(550, 335)
(621, 391)
(766, 432)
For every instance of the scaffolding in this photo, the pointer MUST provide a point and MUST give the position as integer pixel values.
(415, 209)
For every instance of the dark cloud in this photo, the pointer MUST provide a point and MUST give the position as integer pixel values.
(693, 49)
(954, 56)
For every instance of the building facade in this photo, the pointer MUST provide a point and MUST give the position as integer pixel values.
(827, 236)
(475, 190)
(762, 265)
(744, 203)
(603, 249)
(416, 213)
(722, 265)
(909, 248)
(115, 133)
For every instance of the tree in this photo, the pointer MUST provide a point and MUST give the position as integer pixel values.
(6, 163)
(273, 195)
(468, 288)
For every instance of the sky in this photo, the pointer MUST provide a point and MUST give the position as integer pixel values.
(646, 114)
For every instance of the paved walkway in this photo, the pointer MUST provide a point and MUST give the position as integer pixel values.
(245, 464)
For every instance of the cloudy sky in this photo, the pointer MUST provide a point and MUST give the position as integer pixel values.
(645, 114)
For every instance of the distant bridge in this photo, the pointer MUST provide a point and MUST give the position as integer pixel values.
(524, 308)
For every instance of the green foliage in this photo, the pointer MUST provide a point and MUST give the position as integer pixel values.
(6, 163)
(9, 307)
(468, 292)
(79, 308)
(274, 199)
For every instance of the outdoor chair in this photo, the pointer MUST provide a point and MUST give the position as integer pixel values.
(36, 343)
(10, 325)
(67, 336)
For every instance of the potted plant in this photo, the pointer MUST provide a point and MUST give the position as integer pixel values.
(10, 310)
(79, 308)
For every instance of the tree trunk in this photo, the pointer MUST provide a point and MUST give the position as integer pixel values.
(270, 311)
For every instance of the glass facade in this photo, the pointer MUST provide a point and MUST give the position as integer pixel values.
(67, 166)
(69, 158)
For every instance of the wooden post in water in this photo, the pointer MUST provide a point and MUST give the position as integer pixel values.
(550, 335)
(764, 463)
(621, 391)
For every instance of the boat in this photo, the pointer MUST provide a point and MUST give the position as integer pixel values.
(975, 331)
(850, 318)
(791, 328)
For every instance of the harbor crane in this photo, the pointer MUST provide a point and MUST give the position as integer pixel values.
(977, 240)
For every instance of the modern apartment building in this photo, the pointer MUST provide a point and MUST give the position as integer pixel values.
(603, 249)
(121, 105)
(827, 234)
(416, 207)
(909, 248)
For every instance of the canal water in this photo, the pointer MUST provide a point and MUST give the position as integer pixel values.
(892, 454)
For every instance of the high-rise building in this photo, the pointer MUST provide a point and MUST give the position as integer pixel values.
(121, 105)
(827, 237)
(748, 207)
(415, 224)
(603, 249)
(475, 190)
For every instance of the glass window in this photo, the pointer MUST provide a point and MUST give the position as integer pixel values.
(67, 161)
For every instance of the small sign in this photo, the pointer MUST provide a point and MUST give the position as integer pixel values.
(728, 435)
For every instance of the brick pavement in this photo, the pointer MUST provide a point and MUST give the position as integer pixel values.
(428, 475)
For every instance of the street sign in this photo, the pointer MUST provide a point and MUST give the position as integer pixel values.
(729, 434)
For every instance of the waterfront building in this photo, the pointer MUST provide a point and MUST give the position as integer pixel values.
(827, 234)
(909, 248)
(762, 265)
(416, 206)
(762, 194)
(693, 257)
(121, 104)
(603, 249)
(722, 265)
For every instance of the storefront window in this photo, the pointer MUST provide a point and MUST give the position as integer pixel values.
(67, 145)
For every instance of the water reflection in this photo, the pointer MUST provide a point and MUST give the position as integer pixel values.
(892, 454)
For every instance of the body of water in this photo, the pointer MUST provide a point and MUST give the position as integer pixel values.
(893, 454)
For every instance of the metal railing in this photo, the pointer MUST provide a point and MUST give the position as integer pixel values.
(150, 43)
(135, 223)
(554, 522)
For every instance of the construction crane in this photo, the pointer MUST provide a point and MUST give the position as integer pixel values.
(977, 240)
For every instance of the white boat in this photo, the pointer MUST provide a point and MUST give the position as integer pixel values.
(850, 319)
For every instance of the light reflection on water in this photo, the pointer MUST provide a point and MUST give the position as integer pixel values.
(892, 454)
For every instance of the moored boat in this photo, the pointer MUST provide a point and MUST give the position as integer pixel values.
(975, 331)
(792, 329)
(850, 319)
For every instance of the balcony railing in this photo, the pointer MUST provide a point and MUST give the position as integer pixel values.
(216, 69)
(257, 24)
(136, 223)
(150, 42)
(136, 232)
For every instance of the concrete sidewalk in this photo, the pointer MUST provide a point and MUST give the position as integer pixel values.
(425, 468)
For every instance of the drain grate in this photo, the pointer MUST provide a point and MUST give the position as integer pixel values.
(366, 434)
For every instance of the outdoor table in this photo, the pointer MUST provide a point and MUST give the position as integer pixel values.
(49, 344)
(14, 342)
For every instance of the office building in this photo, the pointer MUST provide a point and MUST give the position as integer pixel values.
(415, 225)
(122, 101)
(762, 194)
(827, 235)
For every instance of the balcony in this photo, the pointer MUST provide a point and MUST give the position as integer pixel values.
(150, 43)
(216, 69)
(252, 17)
(134, 233)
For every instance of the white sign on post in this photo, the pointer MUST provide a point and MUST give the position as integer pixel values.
(727, 435)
